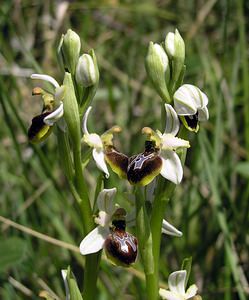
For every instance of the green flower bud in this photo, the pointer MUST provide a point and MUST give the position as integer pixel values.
(87, 73)
(175, 48)
(71, 111)
(157, 67)
(70, 50)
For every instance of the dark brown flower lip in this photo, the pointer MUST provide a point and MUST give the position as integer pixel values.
(143, 165)
(121, 247)
(36, 125)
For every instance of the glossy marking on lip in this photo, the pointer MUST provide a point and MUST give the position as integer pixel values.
(124, 241)
(140, 160)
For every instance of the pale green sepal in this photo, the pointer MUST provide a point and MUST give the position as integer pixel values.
(70, 50)
(71, 112)
(156, 64)
(186, 265)
(179, 57)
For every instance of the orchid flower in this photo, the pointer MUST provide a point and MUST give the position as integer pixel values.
(42, 124)
(177, 283)
(103, 149)
(190, 104)
(160, 155)
(120, 246)
(95, 240)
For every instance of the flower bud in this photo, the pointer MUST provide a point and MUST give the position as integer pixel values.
(120, 246)
(71, 111)
(87, 73)
(157, 67)
(175, 48)
(144, 167)
(70, 50)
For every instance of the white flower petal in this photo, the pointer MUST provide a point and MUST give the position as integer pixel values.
(176, 282)
(45, 78)
(93, 140)
(105, 200)
(103, 219)
(169, 229)
(203, 98)
(184, 100)
(167, 295)
(59, 93)
(191, 291)
(94, 241)
(64, 277)
(172, 167)
(99, 158)
(170, 142)
(54, 116)
(203, 114)
(172, 121)
(84, 121)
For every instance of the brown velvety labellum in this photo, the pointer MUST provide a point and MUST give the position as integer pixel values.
(144, 165)
(37, 125)
(121, 247)
(117, 161)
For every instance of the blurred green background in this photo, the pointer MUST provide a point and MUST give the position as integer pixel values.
(210, 207)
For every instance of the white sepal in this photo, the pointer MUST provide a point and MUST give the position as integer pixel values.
(203, 114)
(168, 295)
(184, 101)
(45, 78)
(189, 99)
(172, 122)
(93, 140)
(172, 167)
(105, 200)
(169, 229)
(191, 291)
(176, 282)
(99, 158)
(54, 116)
(170, 142)
(94, 241)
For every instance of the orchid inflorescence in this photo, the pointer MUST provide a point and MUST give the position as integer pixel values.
(185, 105)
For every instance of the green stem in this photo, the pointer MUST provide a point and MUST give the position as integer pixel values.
(145, 246)
(159, 206)
(91, 275)
(82, 190)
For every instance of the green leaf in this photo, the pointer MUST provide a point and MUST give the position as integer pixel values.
(186, 265)
(12, 251)
(243, 168)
